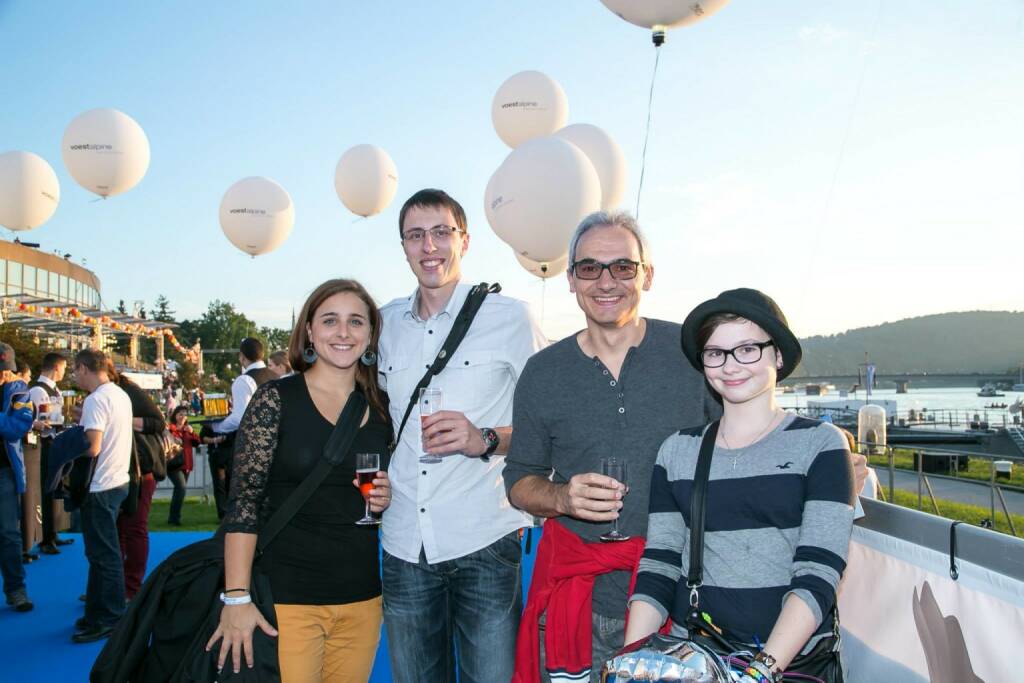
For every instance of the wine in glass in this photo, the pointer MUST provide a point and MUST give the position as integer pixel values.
(616, 469)
(431, 401)
(367, 466)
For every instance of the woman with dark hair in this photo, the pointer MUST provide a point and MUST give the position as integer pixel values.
(323, 567)
(778, 506)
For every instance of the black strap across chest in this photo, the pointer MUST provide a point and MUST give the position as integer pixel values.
(698, 510)
(459, 329)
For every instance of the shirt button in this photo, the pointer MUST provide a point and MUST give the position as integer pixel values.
(430, 332)
(612, 383)
(423, 509)
(606, 372)
(424, 472)
(427, 366)
(622, 410)
(621, 394)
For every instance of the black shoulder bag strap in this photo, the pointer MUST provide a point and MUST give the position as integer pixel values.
(342, 436)
(698, 506)
(459, 329)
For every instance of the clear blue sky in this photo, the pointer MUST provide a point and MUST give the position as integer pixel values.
(751, 111)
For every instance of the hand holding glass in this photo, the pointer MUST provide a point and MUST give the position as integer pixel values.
(367, 465)
(616, 469)
(431, 401)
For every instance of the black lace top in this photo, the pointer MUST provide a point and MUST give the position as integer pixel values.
(322, 557)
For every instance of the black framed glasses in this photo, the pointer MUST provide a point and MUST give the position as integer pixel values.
(438, 233)
(591, 269)
(746, 354)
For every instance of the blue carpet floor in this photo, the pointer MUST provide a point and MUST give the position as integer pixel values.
(36, 646)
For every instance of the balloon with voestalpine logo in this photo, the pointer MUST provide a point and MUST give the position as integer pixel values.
(540, 194)
(257, 215)
(29, 190)
(528, 105)
(105, 151)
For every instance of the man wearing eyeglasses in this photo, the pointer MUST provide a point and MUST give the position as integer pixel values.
(451, 558)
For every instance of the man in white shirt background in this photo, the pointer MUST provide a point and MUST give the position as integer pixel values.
(49, 408)
(254, 373)
(451, 567)
(107, 421)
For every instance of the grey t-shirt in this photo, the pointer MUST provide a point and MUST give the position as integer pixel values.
(570, 412)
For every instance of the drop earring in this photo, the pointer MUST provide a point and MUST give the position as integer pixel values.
(309, 354)
(369, 358)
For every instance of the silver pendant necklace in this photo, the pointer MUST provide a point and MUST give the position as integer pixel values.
(735, 455)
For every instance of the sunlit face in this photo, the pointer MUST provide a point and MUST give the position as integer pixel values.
(84, 378)
(435, 263)
(277, 369)
(59, 370)
(607, 301)
(340, 330)
(739, 382)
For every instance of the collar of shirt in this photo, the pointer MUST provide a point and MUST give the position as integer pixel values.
(254, 366)
(47, 381)
(458, 296)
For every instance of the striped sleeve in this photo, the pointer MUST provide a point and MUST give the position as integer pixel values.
(826, 525)
(661, 565)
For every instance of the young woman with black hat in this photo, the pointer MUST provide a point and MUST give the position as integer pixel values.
(778, 514)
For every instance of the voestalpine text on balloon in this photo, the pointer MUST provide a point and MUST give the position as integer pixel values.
(257, 215)
(528, 105)
(29, 191)
(105, 151)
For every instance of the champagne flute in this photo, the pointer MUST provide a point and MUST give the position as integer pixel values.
(616, 469)
(367, 466)
(431, 401)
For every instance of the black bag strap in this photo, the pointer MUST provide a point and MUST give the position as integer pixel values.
(698, 507)
(342, 436)
(460, 327)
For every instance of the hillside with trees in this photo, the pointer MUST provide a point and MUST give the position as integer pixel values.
(967, 342)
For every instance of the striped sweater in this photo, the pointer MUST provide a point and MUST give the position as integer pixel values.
(778, 522)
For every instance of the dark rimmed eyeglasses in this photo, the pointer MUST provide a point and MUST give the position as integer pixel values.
(746, 354)
(438, 233)
(591, 269)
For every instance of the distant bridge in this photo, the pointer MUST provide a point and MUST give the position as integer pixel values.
(933, 379)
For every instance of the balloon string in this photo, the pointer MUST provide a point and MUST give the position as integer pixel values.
(543, 300)
(647, 131)
(361, 218)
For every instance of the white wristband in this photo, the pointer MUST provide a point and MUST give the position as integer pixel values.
(244, 600)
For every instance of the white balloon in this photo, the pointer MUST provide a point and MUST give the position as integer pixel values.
(105, 151)
(257, 215)
(606, 156)
(528, 105)
(545, 269)
(29, 191)
(664, 13)
(366, 180)
(540, 194)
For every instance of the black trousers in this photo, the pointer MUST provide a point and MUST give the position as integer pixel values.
(46, 501)
(220, 470)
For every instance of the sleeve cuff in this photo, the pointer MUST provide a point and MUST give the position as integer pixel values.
(640, 597)
(809, 600)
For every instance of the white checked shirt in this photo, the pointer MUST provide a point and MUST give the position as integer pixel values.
(458, 506)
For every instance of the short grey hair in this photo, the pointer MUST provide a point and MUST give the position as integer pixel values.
(617, 219)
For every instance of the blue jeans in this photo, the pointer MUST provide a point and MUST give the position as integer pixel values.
(472, 602)
(10, 532)
(104, 594)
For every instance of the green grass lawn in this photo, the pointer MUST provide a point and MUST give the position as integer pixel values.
(972, 514)
(977, 468)
(195, 516)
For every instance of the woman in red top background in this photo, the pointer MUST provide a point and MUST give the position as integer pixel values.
(183, 440)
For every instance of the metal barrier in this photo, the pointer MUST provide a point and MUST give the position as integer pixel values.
(954, 459)
(200, 481)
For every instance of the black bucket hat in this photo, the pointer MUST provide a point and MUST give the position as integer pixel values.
(755, 306)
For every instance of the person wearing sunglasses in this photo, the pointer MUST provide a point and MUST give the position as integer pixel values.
(778, 506)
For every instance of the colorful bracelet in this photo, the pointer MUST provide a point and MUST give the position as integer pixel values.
(756, 675)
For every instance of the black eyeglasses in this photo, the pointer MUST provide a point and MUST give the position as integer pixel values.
(591, 269)
(746, 354)
(438, 233)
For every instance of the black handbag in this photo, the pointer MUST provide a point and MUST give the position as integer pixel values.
(822, 661)
(163, 634)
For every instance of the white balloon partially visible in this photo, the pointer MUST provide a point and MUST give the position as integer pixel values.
(664, 13)
(366, 180)
(105, 151)
(540, 194)
(29, 190)
(544, 269)
(257, 215)
(528, 105)
(606, 156)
